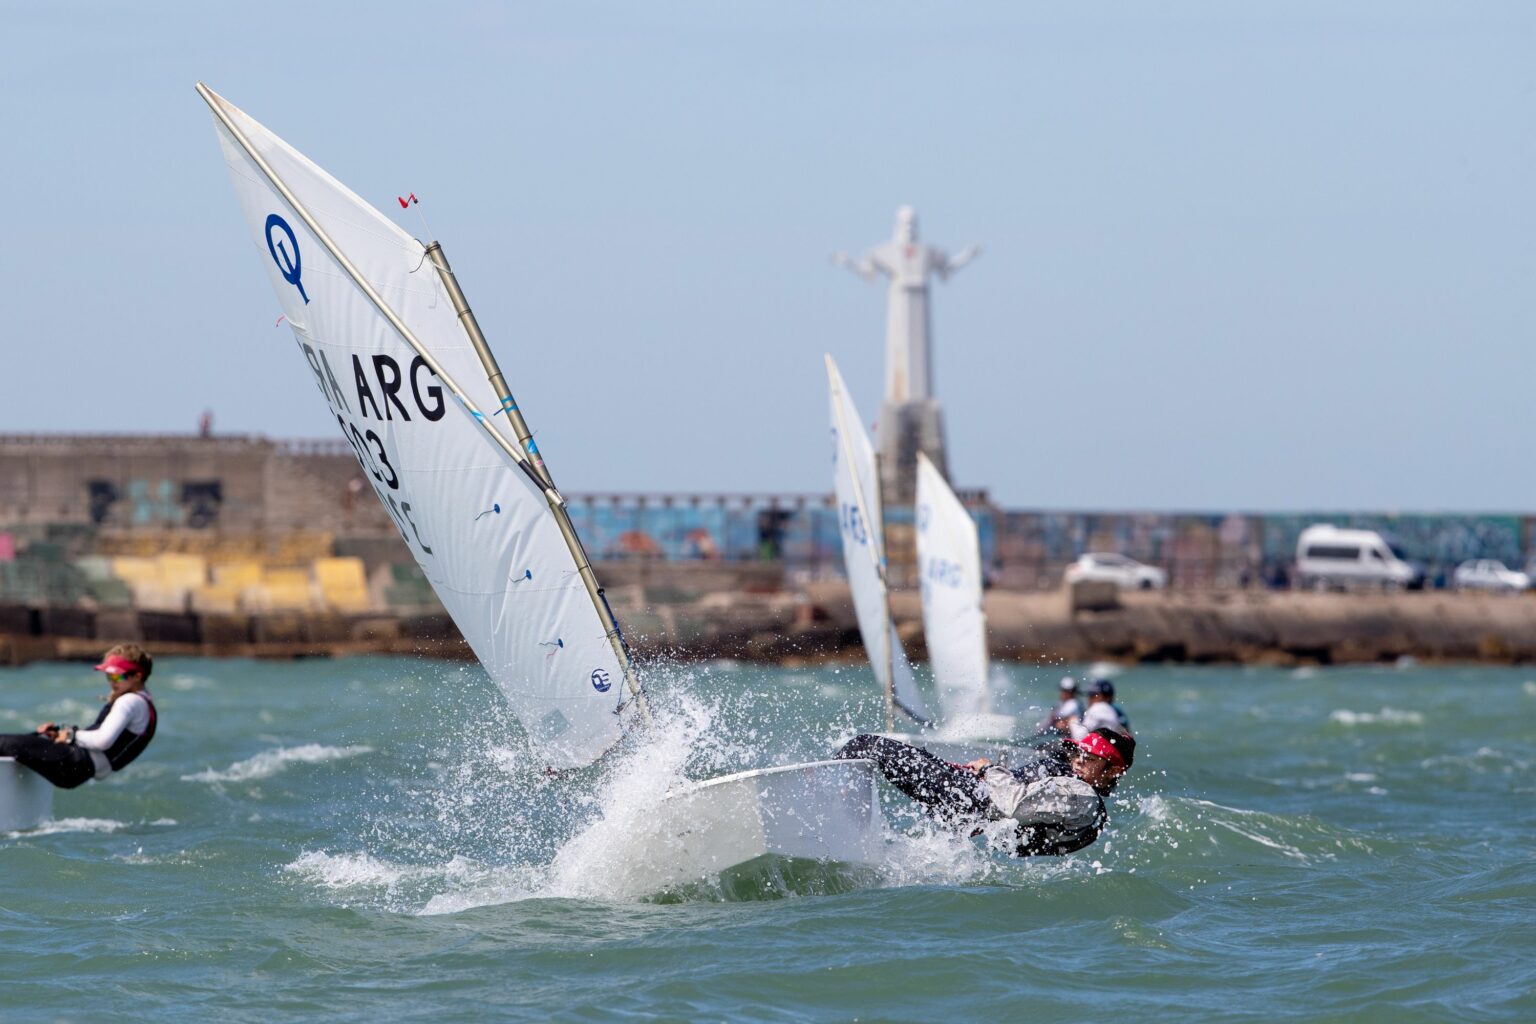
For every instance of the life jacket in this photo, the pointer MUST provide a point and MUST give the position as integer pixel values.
(1074, 812)
(128, 745)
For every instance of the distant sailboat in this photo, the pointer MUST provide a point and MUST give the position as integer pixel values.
(860, 521)
(390, 342)
(954, 619)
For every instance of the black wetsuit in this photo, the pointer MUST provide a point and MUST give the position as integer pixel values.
(959, 796)
(67, 765)
(63, 764)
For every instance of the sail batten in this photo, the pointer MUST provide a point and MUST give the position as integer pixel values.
(861, 525)
(383, 345)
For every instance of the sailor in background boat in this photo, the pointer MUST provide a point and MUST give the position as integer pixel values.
(1068, 707)
(1102, 712)
(67, 755)
(1055, 799)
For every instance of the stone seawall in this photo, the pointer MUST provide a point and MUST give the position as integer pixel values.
(703, 612)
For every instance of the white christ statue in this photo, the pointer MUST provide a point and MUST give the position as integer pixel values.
(910, 419)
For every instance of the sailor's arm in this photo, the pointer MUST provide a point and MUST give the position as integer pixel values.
(104, 735)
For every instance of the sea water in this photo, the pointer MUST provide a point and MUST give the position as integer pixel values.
(369, 839)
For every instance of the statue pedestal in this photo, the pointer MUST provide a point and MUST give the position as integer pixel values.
(907, 428)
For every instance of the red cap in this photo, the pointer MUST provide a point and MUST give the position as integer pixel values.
(120, 664)
(1098, 746)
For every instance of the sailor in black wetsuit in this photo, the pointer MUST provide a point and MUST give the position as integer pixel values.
(1056, 798)
(68, 756)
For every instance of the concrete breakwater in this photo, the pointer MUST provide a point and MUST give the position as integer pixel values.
(747, 612)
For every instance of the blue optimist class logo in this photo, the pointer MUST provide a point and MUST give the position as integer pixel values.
(288, 264)
(600, 681)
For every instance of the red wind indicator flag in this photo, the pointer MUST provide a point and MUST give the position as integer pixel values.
(406, 201)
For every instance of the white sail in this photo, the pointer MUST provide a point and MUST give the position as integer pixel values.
(481, 530)
(949, 574)
(859, 519)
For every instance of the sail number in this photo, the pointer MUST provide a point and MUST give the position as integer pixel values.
(381, 466)
(851, 519)
(944, 573)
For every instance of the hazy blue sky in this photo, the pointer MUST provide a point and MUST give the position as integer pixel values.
(1256, 255)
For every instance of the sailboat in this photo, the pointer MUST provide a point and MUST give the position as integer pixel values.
(390, 343)
(860, 520)
(954, 619)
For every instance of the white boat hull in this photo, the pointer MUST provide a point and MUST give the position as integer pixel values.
(821, 810)
(26, 798)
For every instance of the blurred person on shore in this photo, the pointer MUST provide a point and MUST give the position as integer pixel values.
(1069, 706)
(1055, 800)
(69, 755)
(1101, 713)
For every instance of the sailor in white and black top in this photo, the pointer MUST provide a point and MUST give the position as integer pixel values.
(69, 756)
(1056, 798)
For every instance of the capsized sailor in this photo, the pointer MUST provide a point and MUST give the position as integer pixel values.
(69, 755)
(1055, 799)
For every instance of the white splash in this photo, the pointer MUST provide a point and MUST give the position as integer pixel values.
(1386, 716)
(270, 762)
(58, 825)
(601, 861)
(347, 870)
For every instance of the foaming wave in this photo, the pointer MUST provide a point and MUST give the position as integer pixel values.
(346, 870)
(1386, 716)
(413, 888)
(270, 762)
(1162, 823)
(58, 825)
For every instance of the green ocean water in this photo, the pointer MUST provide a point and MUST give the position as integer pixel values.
(366, 839)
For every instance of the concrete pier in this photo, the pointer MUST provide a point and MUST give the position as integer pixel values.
(247, 546)
(701, 612)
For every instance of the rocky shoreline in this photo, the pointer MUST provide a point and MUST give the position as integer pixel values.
(691, 621)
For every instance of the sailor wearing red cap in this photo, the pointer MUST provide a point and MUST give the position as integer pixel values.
(68, 756)
(1055, 799)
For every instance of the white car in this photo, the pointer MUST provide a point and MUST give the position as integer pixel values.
(1112, 568)
(1488, 574)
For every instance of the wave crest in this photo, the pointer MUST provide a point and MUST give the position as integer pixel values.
(270, 762)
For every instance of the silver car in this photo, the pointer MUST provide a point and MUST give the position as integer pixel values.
(1109, 567)
(1488, 574)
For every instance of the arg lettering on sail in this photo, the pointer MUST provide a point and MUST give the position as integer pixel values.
(381, 391)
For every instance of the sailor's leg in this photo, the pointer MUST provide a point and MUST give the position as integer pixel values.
(945, 790)
(62, 764)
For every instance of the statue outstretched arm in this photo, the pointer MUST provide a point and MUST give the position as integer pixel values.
(864, 266)
(952, 264)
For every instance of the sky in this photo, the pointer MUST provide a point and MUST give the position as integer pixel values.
(1259, 256)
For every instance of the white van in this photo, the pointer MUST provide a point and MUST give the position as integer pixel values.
(1330, 557)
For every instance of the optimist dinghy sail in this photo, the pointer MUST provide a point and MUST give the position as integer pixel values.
(383, 330)
(391, 344)
(949, 575)
(863, 533)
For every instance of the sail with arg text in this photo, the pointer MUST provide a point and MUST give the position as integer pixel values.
(479, 527)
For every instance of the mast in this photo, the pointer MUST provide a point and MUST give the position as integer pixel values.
(540, 470)
(538, 474)
(878, 514)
